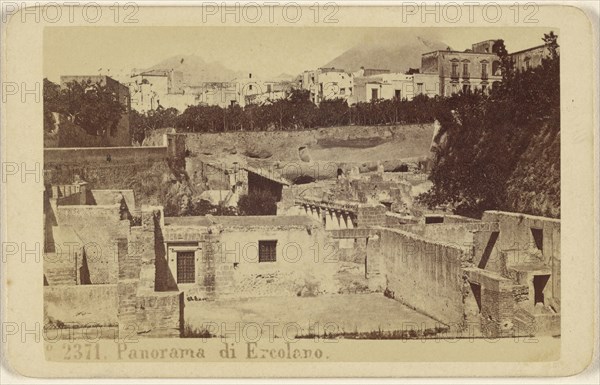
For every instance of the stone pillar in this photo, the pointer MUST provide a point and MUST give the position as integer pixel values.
(83, 193)
(145, 245)
(374, 264)
(328, 220)
(346, 223)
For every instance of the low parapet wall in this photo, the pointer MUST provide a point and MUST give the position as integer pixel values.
(458, 234)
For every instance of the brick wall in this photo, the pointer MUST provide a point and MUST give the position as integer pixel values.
(371, 215)
(159, 314)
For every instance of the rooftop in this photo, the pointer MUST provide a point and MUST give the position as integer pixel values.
(268, 174)
(112, 197)
(241, 221)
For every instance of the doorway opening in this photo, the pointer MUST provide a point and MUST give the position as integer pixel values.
(476, 289)
(539, 283)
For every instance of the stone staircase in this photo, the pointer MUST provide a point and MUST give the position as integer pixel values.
(59, 272)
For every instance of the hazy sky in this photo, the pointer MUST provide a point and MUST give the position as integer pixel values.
(263, 50)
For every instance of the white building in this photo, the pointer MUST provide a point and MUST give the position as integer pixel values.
(328, 84)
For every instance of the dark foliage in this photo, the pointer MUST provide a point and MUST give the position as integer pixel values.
(502, 150)
(296, 112)
(261, 202)
(92, 106)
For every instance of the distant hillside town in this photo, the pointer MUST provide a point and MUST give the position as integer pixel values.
(442, 73)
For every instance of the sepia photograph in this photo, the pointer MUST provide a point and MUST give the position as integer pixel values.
(377, 184)
(314, 192)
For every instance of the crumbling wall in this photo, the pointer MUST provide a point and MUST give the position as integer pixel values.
(515, 243)
(141, 169)
(497, 300)
(149, 303)
(208, 176)
(396, 220)
(423, 274)
(370, 215)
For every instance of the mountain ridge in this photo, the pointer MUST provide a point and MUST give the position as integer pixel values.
(397, 55)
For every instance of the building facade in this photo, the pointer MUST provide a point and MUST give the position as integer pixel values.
(328, 84)
(530, 58)
(477, 68)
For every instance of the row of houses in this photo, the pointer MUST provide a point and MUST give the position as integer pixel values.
(166, 88)
(442, 73)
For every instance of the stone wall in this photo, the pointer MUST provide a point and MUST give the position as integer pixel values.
(227, 262)
(456, 233)
(515, 244)
(99, 228)
(497, 298)
(422, 274)
(126, 266)
(396, 220)
(141, 169)
(370, 215)
(81, 305)
(149, 302)
(214, 176)
(100, 155)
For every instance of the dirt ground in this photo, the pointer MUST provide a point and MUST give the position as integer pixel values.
(346, 315)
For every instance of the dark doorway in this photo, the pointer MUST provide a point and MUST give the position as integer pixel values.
(374, 94)
(538, 238)
(487, 252)
(434, 219)
(476, 289)
(84, 271)
(539, 283)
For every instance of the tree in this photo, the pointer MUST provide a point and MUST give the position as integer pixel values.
(143, 123)
(333, 112)
(551, 42)
(261, 202)
(506, 64)
(52, 103)
(92, 106)
(501, 151)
